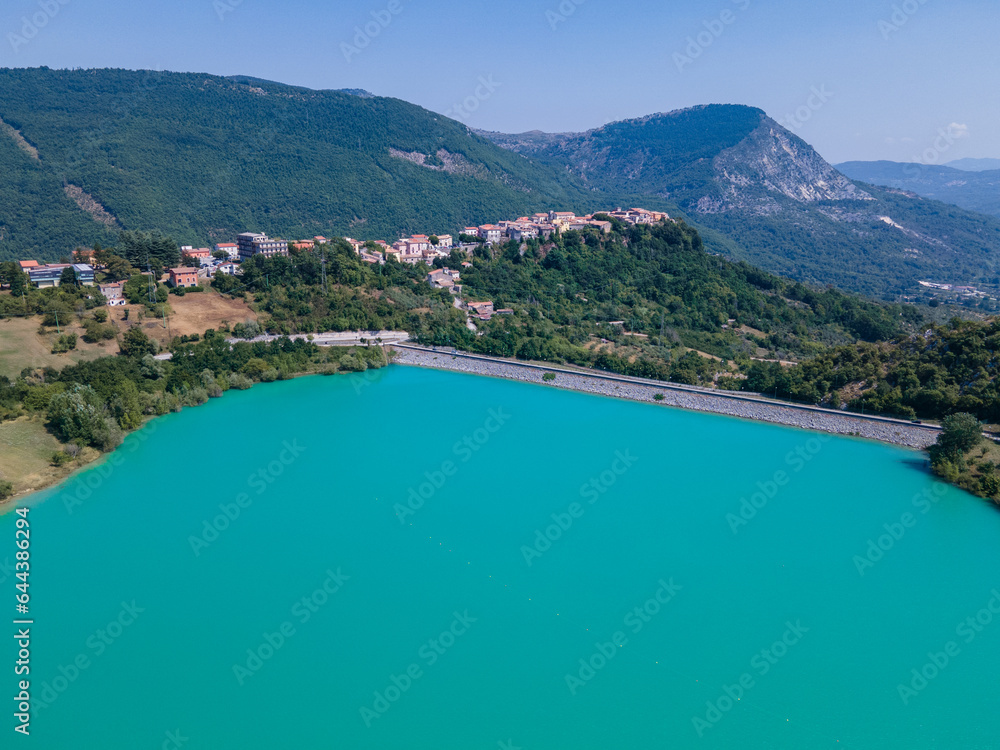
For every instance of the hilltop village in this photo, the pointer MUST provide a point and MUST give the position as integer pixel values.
(198, 264)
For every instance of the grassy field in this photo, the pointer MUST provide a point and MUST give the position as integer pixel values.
(21, 346)
(26, 452)
(190, 314)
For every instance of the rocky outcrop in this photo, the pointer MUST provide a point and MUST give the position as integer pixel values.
(772, 160)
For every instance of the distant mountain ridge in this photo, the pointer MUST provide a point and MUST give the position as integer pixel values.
(975, 190)
(767, 197)
(87, 153)
(974, 165)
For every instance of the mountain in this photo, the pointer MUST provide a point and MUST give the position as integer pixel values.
(86, 153)
(972, 190)
(766, 196)
(974, 165)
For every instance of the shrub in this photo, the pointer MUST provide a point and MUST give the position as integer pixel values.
(549, 377)
(59, 458)
(64, 343)
(6, 489)
(239, 381)
(658, 397)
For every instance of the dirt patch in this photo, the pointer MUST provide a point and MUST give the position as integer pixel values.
(190, 314)
(19, 139)
(92, 206)
(706, 355)
(449, 162)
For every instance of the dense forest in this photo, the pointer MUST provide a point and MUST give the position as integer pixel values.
(203, 158)
(942, 370)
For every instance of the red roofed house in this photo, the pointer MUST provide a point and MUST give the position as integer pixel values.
(482, 310)
(183, 277)
(201, 254)
(26, 264)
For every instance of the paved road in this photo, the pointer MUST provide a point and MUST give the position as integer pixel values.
(346, 338)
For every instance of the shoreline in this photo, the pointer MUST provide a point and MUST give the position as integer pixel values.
(848, 425)
(611, 386)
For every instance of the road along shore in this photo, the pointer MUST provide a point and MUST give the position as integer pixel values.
(897, 432)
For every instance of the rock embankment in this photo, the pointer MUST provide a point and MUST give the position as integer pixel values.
(912, 436)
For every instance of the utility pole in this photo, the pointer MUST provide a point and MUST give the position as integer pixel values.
(323, 266)
(152, 282)
(56, 313)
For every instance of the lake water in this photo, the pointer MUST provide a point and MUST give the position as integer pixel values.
(426, 560)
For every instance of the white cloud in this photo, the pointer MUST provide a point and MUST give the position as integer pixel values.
(958, 130)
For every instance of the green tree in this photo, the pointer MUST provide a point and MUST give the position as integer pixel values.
(67, 277)
(135, 343)
(158, 249)
(117, 268)
(79, 413)
(962, 432)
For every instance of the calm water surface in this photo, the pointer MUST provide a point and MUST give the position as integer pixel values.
(417, 559)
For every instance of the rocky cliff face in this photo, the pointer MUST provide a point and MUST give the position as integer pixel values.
(772, 160)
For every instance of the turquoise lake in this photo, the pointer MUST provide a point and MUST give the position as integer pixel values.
(419, 559)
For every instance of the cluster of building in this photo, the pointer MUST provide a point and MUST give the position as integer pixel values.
(420, 248)
(46, 275)
(425, 248)
(968, 291)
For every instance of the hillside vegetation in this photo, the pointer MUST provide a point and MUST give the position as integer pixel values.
(203, 158)
(771, 200)
(974, 191)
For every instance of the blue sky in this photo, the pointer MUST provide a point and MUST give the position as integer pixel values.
(847, 76)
